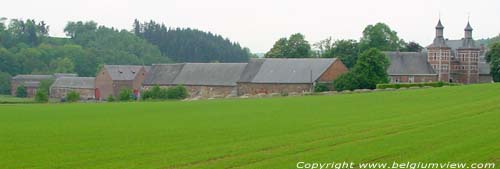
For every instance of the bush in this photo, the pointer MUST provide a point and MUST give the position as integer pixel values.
(347, 81)
(73, 96)
(177, 92)
(21, 91)
(322, 87)
(42, 96)
(110, 98)
(126, 95)
(407, 85)
(155, 93)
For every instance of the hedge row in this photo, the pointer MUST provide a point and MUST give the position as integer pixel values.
(407, 85)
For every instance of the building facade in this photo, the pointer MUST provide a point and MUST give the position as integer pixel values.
(111, 79)
(456, 61)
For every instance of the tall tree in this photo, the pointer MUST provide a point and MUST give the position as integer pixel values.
(493, 57)
(370, 70)
(294, 47)
(381, 37)
(345, 50)
(279, 49)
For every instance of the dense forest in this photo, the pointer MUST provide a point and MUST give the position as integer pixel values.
(27, 48)
(191, 45)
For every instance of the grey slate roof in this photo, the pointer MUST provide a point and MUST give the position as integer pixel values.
(58, 75)
(408, 63)
(285, 70)
(123, 72)
(74, 82)
(210, 74)
(163, 74)
(484, 68)
(32, 77)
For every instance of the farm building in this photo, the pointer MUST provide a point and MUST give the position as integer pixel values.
(113, 78)
(201, 79)
(287, 75)
(410, 67)
(30, 82)
(82, 85)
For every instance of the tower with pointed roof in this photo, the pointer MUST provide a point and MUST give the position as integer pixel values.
(467, 56)
(439, 54)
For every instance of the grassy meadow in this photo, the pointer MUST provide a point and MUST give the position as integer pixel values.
(458, 124)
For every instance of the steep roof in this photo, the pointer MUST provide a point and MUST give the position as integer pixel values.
(58, 75)
(163, 74)
(408, 63)
(484, 68)
(123, 72)
(285, 70)
(74, 82)
(216, 74)
(32, 77)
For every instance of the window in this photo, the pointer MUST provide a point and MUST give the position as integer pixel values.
(411, 79)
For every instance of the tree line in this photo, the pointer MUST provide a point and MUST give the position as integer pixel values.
(27, 48)
(191, 45)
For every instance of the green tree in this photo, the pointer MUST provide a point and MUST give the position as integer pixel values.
(41, 96)
(493, 57)
(294, 47)
(381, 37)
(5, 83)
(370, 70)
(279, 49)
(413, 47)
(73, 96)
(21, 91)
(345, 50)
(62, 65)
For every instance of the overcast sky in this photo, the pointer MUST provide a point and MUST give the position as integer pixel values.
(257, 24)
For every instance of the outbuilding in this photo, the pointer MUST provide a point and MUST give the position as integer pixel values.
(82, 85)
(288, 75)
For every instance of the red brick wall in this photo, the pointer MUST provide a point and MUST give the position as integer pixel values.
(334, 71)
(85, 94)
(204, 91)
(104, 84)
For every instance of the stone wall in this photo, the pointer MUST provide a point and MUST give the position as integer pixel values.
(267, 88)
(85, 94)
(204, 91)
(485, 79)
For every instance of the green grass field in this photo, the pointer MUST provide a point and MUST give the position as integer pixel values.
(458, 124)
(12, 99)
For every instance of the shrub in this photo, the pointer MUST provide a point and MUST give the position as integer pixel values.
(73, 96)
(347, 81)
(126, 95)
(407, 85)
(110, 98)
(322, 87)
(42, 96)
(155, 93)
(21, 91)
(177, 92)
